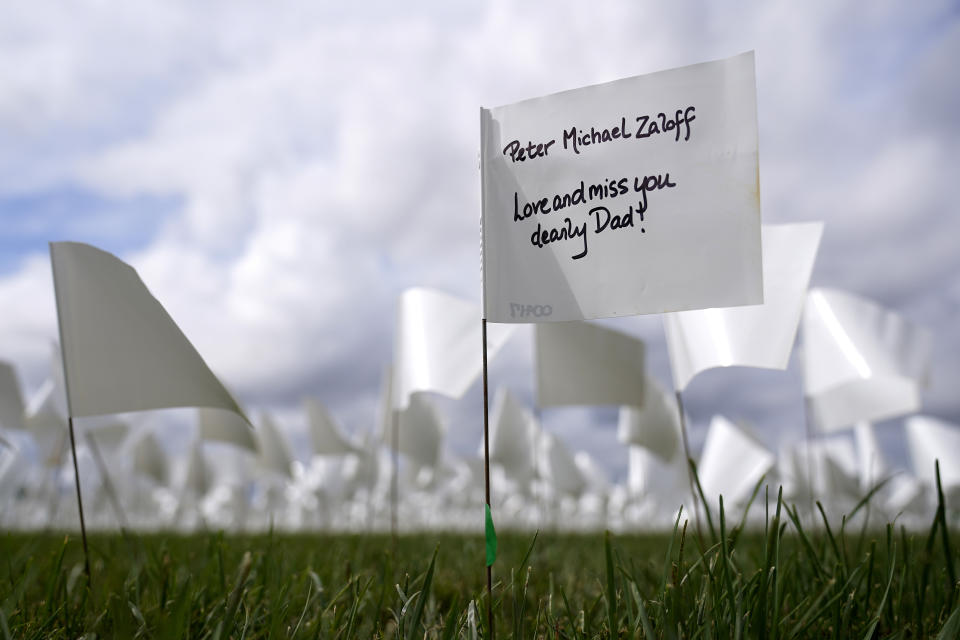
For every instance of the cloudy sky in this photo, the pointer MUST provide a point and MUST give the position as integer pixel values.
(279, 174)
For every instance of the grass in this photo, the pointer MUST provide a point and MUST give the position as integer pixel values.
(779, 583)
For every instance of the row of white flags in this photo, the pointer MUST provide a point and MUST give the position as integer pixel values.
(861, 362)
(533, 461)
(635, 196)
(559, 346)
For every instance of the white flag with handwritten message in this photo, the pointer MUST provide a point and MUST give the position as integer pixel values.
(640, 195)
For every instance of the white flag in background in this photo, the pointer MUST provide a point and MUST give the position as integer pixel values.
(513, 436)
(579, 363)
(199, 477)
(437, 346)
(121, 350)
(419, 433)
(861, 361)
(640, 195)
(274, 452)
(11, 399)
(752, 336)
(931, 439)
(149, 458)
(732, 463)
(324, 433)
(655, 425)
(558, 466)
(225, 426)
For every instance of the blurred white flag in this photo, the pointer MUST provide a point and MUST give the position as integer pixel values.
(419, 432)
(640, 195)
(438, 346)
(274, 453)
(198, 477)
(732, 463)
(579, 363)
(121, 350)
(929, 440)
(225, 426)
(513, 437)
(324, 433)
(108, 433)
(870, 459)
(753, 336)
(559, 468)
(149, 458)
(11, 399)
(861, 361)
(655, 426)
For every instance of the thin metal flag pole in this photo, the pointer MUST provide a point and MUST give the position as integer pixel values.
(73, 440)
(689, 456)
(486, 470)
(83, 525)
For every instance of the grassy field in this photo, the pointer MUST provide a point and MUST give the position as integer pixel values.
(781, 582)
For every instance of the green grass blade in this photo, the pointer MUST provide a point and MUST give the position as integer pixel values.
(945, 537)
(951, 630)
(226, 623)
(611, 586)
(422, 598)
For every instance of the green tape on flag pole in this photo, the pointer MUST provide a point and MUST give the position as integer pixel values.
(491, 538)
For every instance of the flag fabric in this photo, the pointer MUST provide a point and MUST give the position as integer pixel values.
(665, 481)
(821, 467)
(149, 458)
(752, 336)
(640, 195)
(655, 425)
(437, 345)
(491, 536)
(46, 423)
(870, 460)
(419, 432)
(930, 439)
(274, 454)
(108, 433)
(11, 399)
(198, 479)
(558, 467)
(513, 436)
(580, 363)
(226, 426)
(861, 361)
(732, 463)
(325, 436)
(121, 350)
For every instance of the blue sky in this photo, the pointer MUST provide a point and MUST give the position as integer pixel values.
(33, 219)
(278, 177)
